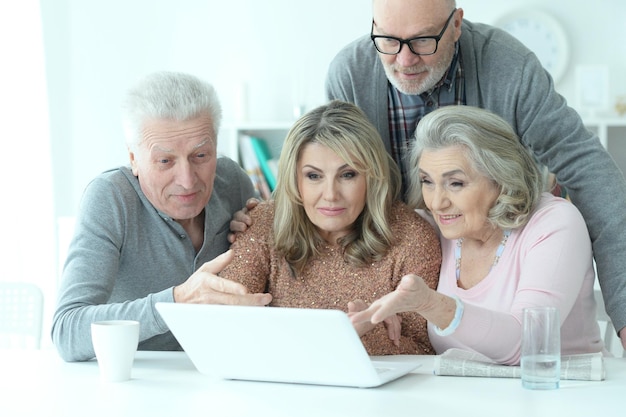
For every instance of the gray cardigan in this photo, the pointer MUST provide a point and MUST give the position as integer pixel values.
(505, 77)
(126, 256)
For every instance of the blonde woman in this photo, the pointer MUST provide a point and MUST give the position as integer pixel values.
(335, 234)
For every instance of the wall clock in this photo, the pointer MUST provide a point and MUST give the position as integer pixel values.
(543, 35)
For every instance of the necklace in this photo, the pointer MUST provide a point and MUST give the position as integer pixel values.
(457, 252)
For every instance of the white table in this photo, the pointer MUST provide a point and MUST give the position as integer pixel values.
(39, 383)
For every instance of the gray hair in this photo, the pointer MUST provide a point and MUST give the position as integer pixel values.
(168, 96)
(493, 149)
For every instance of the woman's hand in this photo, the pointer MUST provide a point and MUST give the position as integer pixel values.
(412, 294)
(393, 324)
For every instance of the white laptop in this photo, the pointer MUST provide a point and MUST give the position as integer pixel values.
(292, 345)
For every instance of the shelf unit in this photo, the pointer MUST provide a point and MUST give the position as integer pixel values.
(612, 134)
(610, 130)
(273, 132)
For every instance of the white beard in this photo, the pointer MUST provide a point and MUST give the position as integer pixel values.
(435, 74)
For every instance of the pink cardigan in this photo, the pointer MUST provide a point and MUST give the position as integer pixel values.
(547, 262)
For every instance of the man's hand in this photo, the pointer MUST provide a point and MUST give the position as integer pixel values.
(205, 287)
(241, 220)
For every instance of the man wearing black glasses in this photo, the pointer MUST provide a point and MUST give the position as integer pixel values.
(421, 55)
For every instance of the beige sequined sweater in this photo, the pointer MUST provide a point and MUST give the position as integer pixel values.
(329, 282)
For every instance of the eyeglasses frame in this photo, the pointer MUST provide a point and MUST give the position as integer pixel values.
(407, 42)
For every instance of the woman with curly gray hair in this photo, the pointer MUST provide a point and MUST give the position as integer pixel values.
(506, 245)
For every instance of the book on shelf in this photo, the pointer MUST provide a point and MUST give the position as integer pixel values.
(252, 166)
(268, 164)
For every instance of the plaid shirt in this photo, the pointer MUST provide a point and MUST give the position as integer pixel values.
(405, 111)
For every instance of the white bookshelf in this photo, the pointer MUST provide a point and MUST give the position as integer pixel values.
(272, 132)
(610, 130)
(612, 134)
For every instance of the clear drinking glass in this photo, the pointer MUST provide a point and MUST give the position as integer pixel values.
(541, 348)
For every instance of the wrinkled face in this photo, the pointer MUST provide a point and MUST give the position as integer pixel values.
(333, 193)
(458, 196)
(175, 164)
(408, 72)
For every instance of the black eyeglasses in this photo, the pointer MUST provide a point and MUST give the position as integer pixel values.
(421, 45)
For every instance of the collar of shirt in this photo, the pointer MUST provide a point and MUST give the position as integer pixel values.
(405, 111)
(454, 70)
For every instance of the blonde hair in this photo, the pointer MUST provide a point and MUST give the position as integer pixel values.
(494, 150)
(345, 129)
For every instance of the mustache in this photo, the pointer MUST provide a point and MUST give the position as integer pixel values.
(408, 70)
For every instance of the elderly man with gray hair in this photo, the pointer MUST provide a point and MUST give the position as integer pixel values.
(145, 233)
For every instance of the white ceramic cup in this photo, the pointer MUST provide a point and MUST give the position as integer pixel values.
(115, 343)
(541, 348)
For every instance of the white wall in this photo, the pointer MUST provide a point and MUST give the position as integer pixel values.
(96, 50)
(27, 242)
(278, 49)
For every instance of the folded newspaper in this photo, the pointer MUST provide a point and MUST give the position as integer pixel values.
(458, 362)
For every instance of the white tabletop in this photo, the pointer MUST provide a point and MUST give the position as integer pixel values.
(39, 383)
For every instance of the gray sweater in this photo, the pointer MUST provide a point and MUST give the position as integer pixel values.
(503, 76)
(126, 256)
